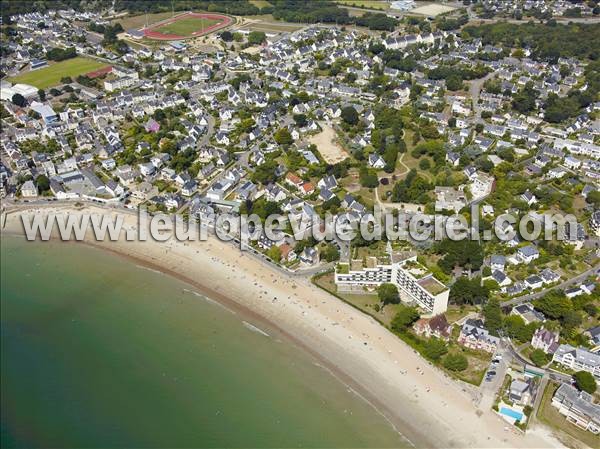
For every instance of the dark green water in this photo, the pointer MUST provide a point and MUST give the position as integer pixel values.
(97, 352)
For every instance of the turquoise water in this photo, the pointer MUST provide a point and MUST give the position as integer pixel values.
(97, 352)
(511, 413)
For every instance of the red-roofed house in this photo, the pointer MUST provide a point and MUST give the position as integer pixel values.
(433, 327)
(307, 188)
(293, 180)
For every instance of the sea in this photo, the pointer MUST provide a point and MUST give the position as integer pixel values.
(99, 352)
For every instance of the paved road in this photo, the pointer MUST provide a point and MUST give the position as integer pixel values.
(552, 374)
(574, 280)
(475, 91)
(205, 139)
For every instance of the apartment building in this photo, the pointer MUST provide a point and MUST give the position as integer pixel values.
(578, 408)
(412, 279)
(578, 359)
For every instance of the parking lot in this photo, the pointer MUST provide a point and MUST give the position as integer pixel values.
(492, 382)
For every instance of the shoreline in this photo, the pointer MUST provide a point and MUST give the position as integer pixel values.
(427, 410)
(244, 313)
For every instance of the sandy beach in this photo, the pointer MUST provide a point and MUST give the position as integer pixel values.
(427, 407)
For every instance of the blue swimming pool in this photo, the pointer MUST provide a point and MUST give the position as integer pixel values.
(512, 413)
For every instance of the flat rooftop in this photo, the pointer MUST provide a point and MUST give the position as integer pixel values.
(432, 285)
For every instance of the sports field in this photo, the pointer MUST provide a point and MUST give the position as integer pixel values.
(186, 25)
(51, 76)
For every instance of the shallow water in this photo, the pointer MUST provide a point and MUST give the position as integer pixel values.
(99, 352)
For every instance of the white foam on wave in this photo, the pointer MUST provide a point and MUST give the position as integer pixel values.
(149, 269)
(253, 328)
(207, 299)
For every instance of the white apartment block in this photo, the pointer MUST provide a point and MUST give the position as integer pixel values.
(412, 280)
(578, 408)
(119, 83)
(578, 359)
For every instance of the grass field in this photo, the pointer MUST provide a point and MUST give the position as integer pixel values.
(50, 76)
(367, 4)
(186, 26)
(140, 21)
(269, 27)
(260, 3)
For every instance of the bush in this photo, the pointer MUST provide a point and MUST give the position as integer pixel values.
(434, 349)
(388, 294)
(349, 115)
(538, 357)
(404, 317)
(456, 362)
(585, 381)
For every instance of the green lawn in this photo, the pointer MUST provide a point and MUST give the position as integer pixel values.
(185, 27)
(368, 4)
(50, 76)
(260, 3)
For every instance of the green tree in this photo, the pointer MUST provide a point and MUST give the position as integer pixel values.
(349, 115)
(43, 183)
(265, 173)
(42, 94)
(434, 349)
(554, 304)
(226, 36)
(538, 357)
(454, 82)
(18, 100)
(274, 252)
(283, 137)
(256, 37)
(493, 316)
(468, 291)
(585, 381)
(594, 198)
(330, 253)
(456, 362)
(300, 120)
(368, 178)
(405, 316)
(388, 294)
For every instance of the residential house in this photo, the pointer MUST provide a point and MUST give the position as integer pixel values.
(436, 326)
(528, 313)
(376, 161)
(593, 333)
(309, 256)
(29, 190)
(528, 254)
(474, 335)
(545, 340)
(520, 392)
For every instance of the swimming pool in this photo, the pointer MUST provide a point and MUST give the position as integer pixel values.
(511, 413)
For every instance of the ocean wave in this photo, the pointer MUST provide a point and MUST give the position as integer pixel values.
(207, 299)
(149, 269)
(255, 329)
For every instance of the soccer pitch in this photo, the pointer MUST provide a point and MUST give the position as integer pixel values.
(51, 75)
(186, 26)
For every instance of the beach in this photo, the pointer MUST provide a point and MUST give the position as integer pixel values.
(421, 402)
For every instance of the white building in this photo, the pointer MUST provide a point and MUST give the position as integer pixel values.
(29, 190)
(578, 359)
(408, 275)
(578, 408)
